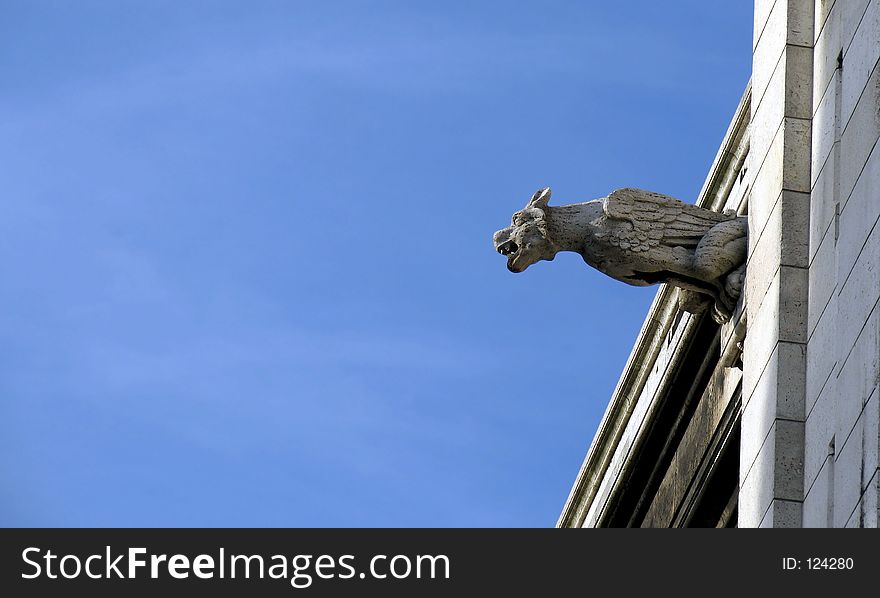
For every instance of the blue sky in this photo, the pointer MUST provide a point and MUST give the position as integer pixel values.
(247, 262)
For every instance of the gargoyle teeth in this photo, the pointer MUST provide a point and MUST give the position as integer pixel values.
(507, 248)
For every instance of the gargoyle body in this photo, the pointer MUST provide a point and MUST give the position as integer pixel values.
(640, 238)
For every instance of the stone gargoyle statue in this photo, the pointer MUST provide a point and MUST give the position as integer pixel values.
(640, 238)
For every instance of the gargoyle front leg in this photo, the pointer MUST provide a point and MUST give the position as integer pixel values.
(733, 282)
(722, 249)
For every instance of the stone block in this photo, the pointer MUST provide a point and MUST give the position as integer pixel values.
(825, 53)
(848, 475)
(778, 393)
(780, 316)
(764, 29)
(822, 202)
(851, 13)
(800, 22)
(766, 189)
(822, 355)
(865, 514)
(768, 112)
(860, 213)
(783, 241)
(763, 328)
(816, 507)
(793, 304)
(786, 166)
(823, 280)
(783, 514)
(796, 154)
(860, 133)
(822, 12)
(819, 432)
(858, 377)
(798, 81)
(860, 58)
(776, 473)
(857, 293)
(823, 135)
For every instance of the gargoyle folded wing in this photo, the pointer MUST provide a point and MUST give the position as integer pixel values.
(647, 219)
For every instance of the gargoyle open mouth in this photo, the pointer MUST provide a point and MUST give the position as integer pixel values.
(508, 248)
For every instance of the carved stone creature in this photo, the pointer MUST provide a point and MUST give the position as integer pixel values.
(640, 238)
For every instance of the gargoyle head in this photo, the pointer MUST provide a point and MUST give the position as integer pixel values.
(525, 241)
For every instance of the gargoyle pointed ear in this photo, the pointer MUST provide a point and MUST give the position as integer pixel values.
(540, 198)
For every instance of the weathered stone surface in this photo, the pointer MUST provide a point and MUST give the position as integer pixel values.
(860, 58)
(858, 375)
(865, 514)
(640, 238)
(817, 510)
(825, 53)
(819, 428)
(823, 280)
(823, 205)
(852, 13)
(824, 132)
(783, 513)
(859, 217)
(822, 355)
(776, 473)
(823, 11)
(759, 416)
(860, 133)
(848, 475)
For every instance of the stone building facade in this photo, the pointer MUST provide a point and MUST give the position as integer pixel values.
(770, 420)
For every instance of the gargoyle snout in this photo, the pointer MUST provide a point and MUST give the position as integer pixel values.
(503, 240)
